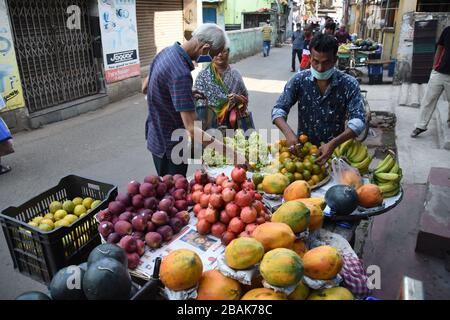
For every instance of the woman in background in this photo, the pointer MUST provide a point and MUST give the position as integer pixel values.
(223, 88)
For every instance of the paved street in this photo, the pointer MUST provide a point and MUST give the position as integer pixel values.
(109, 145)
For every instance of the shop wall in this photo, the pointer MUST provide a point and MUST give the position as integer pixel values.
(233, 9)
(245, 43)
(14, 114)
(388, 46)
(405, 44)
(191, 16)
(404, 7)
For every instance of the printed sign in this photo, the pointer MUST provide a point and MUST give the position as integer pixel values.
(10, 85)
(119, 39)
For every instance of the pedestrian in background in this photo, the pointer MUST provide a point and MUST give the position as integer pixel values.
(305, 62)
(298, 42)
(267, 38)
(439, 81)
(6, 146)
(342, 35)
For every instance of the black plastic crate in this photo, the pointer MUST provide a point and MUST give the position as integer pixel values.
(39, 254)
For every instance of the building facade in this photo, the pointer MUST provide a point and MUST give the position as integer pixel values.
(66, 57)
(407, 30)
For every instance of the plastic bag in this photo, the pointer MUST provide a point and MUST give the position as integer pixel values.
(343, 173)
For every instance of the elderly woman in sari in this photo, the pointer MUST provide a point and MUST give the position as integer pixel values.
(224, 90)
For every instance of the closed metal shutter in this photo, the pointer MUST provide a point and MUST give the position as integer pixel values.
(56, 63)
(160, 24)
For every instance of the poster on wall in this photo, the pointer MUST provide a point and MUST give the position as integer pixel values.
(119, 39)
(10, 85)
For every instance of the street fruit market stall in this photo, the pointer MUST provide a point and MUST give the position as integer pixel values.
(224, 234)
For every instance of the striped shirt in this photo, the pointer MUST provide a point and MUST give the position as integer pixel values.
(169, 93)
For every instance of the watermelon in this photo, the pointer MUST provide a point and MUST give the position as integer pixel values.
(108, 250)
(107, 279)
(342, 199)
(67, 284)
(33, 295)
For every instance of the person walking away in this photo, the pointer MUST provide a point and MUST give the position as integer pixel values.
(170, 98)
(439, 81)
(6, 146)
(298, 42)
(342, 35)
(326, 98)
(305, 62)
(267, 38)
(222, 86)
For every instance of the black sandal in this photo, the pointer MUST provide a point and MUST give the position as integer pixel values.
(416, 132)
(4, 169)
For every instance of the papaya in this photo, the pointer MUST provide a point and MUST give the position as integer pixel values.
(295, 214)
(275, 183)
(215, 286)
(317, 201)
(264, 294)
(274, 235)
(297, 190)
(300, 293)
(300, 247)
(322, 263)
(337, 293)
(281, 267)
(316, 217)
(369, 195)
(243, 253)
(181, 269)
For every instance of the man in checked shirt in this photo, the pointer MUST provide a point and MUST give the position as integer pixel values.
(326, 98)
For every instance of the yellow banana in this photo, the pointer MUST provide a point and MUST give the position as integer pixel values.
(395, 168)
(361, 155)
(355, 150)
(345, 146)
(391, 193)
(380, 181)
(387, 166)
(363, 164)
(388, 176)
(383, 162)
(388, 187)
(337, 151)
(349, 151)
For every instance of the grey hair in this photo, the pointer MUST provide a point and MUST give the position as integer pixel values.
(213, 35)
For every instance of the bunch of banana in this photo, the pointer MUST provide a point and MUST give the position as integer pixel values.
(387, 176)
(356, 153)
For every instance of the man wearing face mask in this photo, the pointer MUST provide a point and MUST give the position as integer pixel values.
(170, 97)
(326, 98)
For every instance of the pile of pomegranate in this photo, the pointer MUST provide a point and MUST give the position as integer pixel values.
(227, 208)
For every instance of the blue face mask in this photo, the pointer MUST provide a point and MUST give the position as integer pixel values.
(204, 58)
(322, 75)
